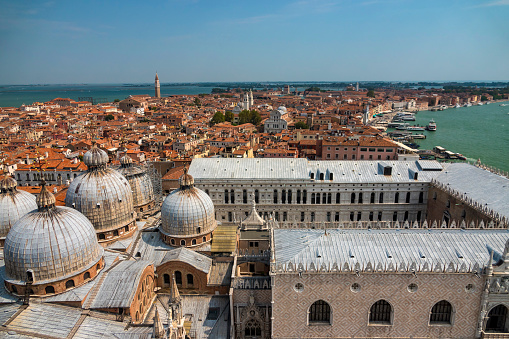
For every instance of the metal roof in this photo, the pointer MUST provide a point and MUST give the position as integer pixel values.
(45, 319)
(301, 169)
(224, 239)
(182, 254)
(484, 187)
(426, 250)
(119, 287)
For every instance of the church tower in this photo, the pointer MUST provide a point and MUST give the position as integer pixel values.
(158, 87)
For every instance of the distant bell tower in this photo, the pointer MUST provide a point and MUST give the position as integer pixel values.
(158, 87)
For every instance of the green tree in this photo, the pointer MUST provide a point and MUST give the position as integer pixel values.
(301, 125)
(217, 118)
(109, 117)
(256, 118)
(484, 98)
(116, 100)
(197, 102)
(371, 93)
(244, 117)
(228, 116)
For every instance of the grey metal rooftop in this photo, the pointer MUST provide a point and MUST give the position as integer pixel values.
(301, 169)
(197, 260)
(119, 287)
(429, 250)
(482, 186)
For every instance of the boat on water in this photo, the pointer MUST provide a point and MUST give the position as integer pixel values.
(415, 128)
(419, 136)
(432, 126)
(503, 105)
(468, 104)
(461, 156)
(480, 103)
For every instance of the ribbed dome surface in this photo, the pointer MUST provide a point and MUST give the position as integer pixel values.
(13, 204)
(186, 209)
(95, 157)
(141, 185)
(54, 244)
(104, 196)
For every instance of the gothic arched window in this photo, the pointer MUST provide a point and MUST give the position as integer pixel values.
(380, 313)
(497, 318)
(441, 313)
(252, 329)
(319, 312)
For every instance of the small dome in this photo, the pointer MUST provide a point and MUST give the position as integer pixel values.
(95, 158)
(14, 204)
(126, 160)
(140, 182)
(54, 243)
(7, 183)
(187, 211)
(186, 180)
(45, 199)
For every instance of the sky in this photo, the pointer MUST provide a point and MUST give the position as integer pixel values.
(72, 42)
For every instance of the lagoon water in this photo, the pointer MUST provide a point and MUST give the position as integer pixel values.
(477, 132)
(15, 96)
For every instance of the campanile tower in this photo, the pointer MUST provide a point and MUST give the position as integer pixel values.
(158, 87)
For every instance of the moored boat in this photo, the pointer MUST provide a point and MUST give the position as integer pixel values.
(432, 126)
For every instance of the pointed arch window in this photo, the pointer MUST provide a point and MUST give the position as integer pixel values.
(380, 313)
(441, 313)
(319, 312)
(497, 319)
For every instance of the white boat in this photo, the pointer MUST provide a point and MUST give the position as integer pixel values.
(480, 103)
(457, 106)
(432, 126)
(503, 105)
(415, 128)
(468, 104)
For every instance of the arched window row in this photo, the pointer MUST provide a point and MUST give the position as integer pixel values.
(381, 312)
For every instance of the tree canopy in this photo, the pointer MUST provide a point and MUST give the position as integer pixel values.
(301, 125)
(371, 93)
(249, 116)
(217, 118)
(228, 116)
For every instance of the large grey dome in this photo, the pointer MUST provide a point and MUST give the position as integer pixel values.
(53, 242)
(187, 211)
(104, 196)
(141, 185)
(14, 204)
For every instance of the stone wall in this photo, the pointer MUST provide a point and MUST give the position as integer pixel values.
(350, 310)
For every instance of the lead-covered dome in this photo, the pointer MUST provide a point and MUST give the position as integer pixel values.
(14, 204)
(141, 185)
(187, 211)
(103, 195)
(52, 243)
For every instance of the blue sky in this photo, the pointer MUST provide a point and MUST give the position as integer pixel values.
(202, 40)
